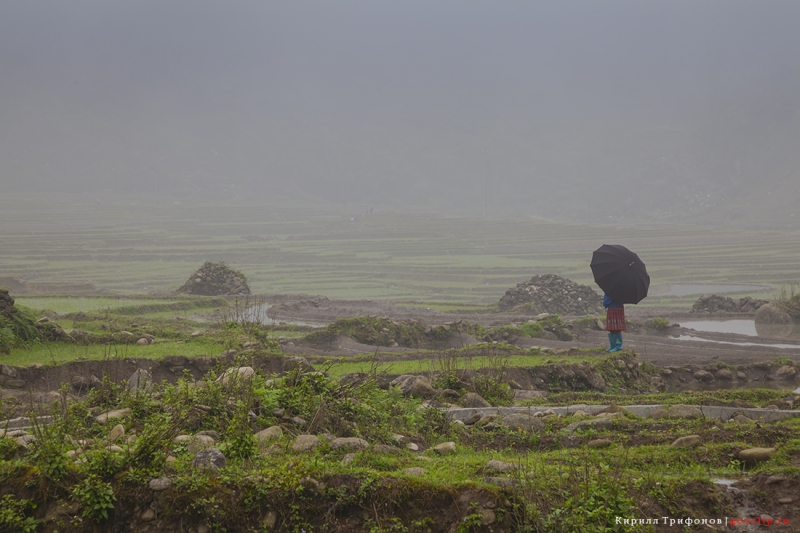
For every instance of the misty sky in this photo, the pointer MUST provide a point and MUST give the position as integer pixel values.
(561, 105)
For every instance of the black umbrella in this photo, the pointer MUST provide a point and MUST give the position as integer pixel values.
(620, 273)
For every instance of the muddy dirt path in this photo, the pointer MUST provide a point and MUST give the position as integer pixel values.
(661, 350)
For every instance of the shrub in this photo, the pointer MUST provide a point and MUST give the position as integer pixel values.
(12, 515)
(96, 496)
(660, 323)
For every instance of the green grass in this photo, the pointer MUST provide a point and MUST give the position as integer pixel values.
(472, 362)
(72, 304)
(58, 353)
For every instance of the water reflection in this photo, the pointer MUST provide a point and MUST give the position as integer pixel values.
(781, 331)
(746, 327)
(760, 345)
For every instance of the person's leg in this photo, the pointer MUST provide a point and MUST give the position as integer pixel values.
(617, 342)
(612, 340)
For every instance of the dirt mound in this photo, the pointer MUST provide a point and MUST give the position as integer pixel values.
(549, 293)
(216, 279)
(711, 303)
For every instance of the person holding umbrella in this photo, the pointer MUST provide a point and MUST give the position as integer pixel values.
(624, 280)
(615, 322)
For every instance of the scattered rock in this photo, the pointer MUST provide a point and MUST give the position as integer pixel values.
(304, 443)
(348, 458)
(269, 434)
(590, 423)
(236, 374)
(786, 373)
(472, 399)
(415, 471)
(386, 448)
(416, 386)
(500, 466)
(111, 415)
(349, 443)
(772, 314)
(486, 420)
(200, 442)
(753, 456)
(520, 395)
(160, 483)
(522, 421)
(450, 394)
(445, 448)
(116, 433)
(140, 381)
(473, 419)
(297, 362)
(711, 303)
(686, 442)
(599, 443)
(312, 484)
(209, 459)
(504, 482)
(703, 375)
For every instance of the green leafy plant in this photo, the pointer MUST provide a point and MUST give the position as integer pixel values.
(12, 515)
(660, 323)
(96, 496)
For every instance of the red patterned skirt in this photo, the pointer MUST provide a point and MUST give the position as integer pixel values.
(615, 319)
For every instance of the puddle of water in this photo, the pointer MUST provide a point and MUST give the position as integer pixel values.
(688, 289)
(741, 327)
(723, 481)
(764, 345)
(745, 327)
(258, 313)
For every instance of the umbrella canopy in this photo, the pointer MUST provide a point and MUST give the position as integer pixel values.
(620, 273)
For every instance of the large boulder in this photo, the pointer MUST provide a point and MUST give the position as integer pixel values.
(522, 421)
(216, 279)
(416, 386)
(209, 459)
(772, 314)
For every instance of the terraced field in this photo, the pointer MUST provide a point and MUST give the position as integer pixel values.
(398, 256)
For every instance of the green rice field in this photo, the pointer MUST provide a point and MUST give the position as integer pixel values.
(56, 244)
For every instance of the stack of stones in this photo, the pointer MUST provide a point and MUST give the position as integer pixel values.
(216, 279)
(711, 303)
(6, 304)
(548, 293)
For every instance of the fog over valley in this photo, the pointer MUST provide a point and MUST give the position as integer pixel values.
(582, 111)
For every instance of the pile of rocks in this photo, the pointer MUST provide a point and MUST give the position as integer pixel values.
(549, 293)
(216, 279)
(711, 303)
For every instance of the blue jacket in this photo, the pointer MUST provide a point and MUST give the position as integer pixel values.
(609, 303)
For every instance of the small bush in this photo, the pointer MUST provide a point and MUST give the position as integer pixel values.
(660, 323)
(96, 496)
(12, 515)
